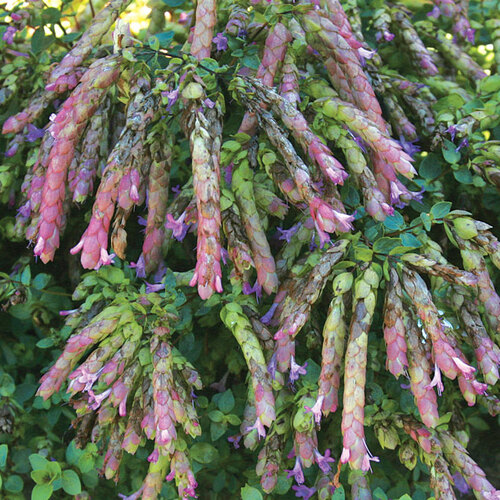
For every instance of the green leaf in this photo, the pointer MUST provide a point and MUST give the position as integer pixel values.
(85, 463)
(250, 493)
(14, 484)
(394, 222)
(400, 250)
(233, 419)
(204, 453)
(154, 43)
(363, 253)
(339, 494)
(71, 482)
(41, 280)
(4, 450)
(173, 3)
(430, 167)
(40, 476)
(440, 210)
(226, 401)
(38, 462)
(217, 429)
(478, 423)
(379, 494)
(426, 221)
(144, 357)
(42, 492)
(7, 385)
(164, 39)
(410, 240)
(51, 15)
(216, 416)
(449, 152)
(40, 42)
(72, 453)
(463, 176)
(385, 245)
(45, 343)
(490, 84)
(26, 276)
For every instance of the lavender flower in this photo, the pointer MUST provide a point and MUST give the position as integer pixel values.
(259, 427)
(179, 229)
(464, 143)
(272, 366)
(256, 288)
(172, 98)
(209, 103)
(67, 312)
(286, 234)
(460, 483)
(95, 401)
(220, 41)
(296, 370)
(8, 36)
(316, 409)
(266, 319)
(139, 266)
(34, 133)
(323, 461)
(296, 472)
(452, 130)
(235, 440)
(152, 288)
(303, 491)
(408, 146)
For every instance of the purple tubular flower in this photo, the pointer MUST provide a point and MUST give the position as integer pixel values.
(296, 370)
(220, 41)
(12, 150)
(179, 229)
(323, 461)
(150, 288)
(303, 491)
(286, 234)
(228, 174)
(316, 409)
(8, 36)
(460, 483)
(172, 98)
(435, 12)
(139, 266)
(256, 288)
(296, 472)
(209, 103)
(266, 319)
(259, 427)
(409, 146)
(34, 133)
(134, 496)
(464, 143)
(67, 312)
(25, 210)
(235, 440)
(95, 401)
(436, 381)
(272, 366)
(452, 130)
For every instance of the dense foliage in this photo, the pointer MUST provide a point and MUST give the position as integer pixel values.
(264, 249)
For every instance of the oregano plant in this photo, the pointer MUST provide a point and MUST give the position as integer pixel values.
(249, 249)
